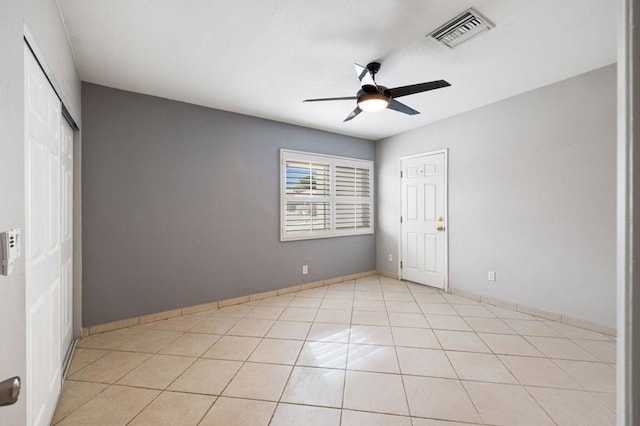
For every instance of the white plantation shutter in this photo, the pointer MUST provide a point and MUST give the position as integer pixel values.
(308, 192)
(307, 217)
(307, 178)
(325, 196)
(353, 197)
(353, 181)
(353, 216)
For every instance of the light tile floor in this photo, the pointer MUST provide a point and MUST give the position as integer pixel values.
(374, 351)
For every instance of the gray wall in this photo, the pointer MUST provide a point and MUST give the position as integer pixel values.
(181, 206)
(43, 19)
(531, 196)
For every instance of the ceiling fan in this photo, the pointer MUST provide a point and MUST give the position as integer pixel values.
(372, 97)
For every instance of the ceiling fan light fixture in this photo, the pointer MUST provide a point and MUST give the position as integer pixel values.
(373, 102)
(372, 98)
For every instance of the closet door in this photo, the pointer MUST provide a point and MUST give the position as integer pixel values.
(42, 243)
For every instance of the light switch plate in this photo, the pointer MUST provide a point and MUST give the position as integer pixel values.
(9, 250)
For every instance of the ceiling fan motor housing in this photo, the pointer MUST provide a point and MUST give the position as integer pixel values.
(368, 92)
(373, 67)
(372, 98)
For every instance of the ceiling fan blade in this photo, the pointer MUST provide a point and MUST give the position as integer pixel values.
(365, 77)
(400, 107)
(397, 92)
(344, 98)
(353, 114)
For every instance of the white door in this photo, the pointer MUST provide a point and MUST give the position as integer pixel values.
(66, 249)
(42, 243)
(423, 220)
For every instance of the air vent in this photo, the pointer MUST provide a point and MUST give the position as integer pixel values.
(461, 28)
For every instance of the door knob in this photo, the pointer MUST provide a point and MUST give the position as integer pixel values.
(440, 228)
(9, 391)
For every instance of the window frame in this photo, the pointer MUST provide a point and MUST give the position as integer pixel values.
(332, 199)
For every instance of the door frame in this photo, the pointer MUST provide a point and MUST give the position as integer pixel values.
(628, 214)
(444, 151)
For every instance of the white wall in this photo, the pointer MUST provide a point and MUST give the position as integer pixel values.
(12, 309)
(44, 22)
(531, 196)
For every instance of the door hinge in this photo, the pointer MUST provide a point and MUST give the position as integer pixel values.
(401, 173)
(401, 264)
(400, 219)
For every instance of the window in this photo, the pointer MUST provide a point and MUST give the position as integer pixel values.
(324, 196)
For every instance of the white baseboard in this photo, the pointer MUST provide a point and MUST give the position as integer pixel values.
(525, 309)
(157, 316)
(388, 274)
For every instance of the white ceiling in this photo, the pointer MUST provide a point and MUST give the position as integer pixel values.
(263, 57)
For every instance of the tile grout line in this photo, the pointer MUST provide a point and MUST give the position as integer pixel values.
(395, 349)
(298, 357)
(161, 391)
(594, 361)
(243, 363)
(523, 386)
(539, 405)
(88, 365)
(507, 368)
(346, 361)
(145, 407)
(286, 383)
(217, 397)
(582, 389)
(83, 404)
(349, 342)
(494, 355)
(602, 402)
(444, 351)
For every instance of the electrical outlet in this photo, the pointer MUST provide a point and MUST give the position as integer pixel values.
(491, 276)
(305, 269)
(390, 257)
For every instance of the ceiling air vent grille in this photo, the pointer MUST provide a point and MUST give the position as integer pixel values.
(461, 28)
